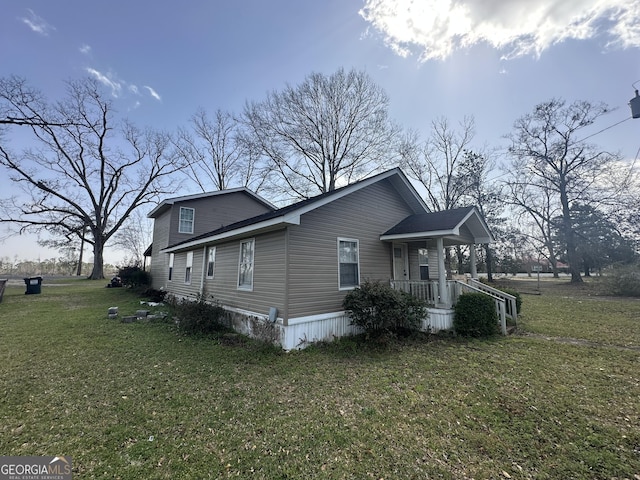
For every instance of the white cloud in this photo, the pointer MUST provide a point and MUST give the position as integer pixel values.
(37, 24)
(120, 88)
(434, 29)
(153, 93)
(86, 49)
(107, 80)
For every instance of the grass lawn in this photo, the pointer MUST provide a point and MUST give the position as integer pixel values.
(560, 400)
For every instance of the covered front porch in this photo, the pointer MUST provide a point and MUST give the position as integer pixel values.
(419, 244)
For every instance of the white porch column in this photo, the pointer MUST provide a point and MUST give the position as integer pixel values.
(445, 301)
(472, 260)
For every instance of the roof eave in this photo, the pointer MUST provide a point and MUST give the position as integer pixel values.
(267, 225)
(419, 235)
(167, 203)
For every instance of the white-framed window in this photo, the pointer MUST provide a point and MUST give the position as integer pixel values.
(245, 267)
(188, 268)
(348, 263)
(171, 259)
(423, 261)
(211, 261)
(187, 215)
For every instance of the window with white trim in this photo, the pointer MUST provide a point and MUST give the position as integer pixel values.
(171, 258)
(348, 263)
(245, 267)
(185, 224)
(211, 261)
(188, 267)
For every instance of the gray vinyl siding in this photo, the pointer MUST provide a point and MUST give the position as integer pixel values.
(210, 213)
(414, 265)
(159, 268)
(213, 213)
(414, 261)
(177, 286)
(269, 274)
(313, 249)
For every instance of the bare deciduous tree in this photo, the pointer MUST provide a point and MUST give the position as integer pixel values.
(438, 163)
(551, 163)
(486, 196)
(219, 153)
(84, 170)
(536, 210)
(134, 237)
(326, 131)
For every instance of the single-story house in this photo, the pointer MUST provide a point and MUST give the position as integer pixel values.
(282, 273)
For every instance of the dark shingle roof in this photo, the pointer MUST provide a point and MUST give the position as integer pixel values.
(298, 206)
(445, 220)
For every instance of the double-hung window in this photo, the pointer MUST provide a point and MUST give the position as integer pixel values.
(211, 261)
(348, 264)
(188, 267)
(171, 258)
(423, 261)
(245, 268)
(187, 215)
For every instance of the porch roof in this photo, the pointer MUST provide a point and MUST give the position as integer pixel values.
(458, 226)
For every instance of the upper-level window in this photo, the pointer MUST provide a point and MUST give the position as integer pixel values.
(348, 264)
(186, 220)
(245, 269)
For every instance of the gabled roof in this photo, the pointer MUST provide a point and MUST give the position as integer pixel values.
(290, 215)
(446, 224)
(166, 204)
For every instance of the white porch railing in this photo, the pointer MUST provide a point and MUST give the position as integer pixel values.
(510, 300)
(428, 290)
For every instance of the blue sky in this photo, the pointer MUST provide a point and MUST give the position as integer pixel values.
(488, 58)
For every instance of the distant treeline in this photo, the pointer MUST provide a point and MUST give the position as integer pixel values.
(27, 268)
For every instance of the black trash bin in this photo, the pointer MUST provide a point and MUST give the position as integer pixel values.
(34, 285)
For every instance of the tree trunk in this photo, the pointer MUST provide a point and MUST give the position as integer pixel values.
(447, 263)
(79, 270)
(554, 268)
(460, 257)
(98, 250)
(489, 260)
(572, 255)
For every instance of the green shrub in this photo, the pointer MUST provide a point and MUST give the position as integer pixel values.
(134, 277)
(623, 281)
(199, 316)
(377, 308)
(475, 316)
